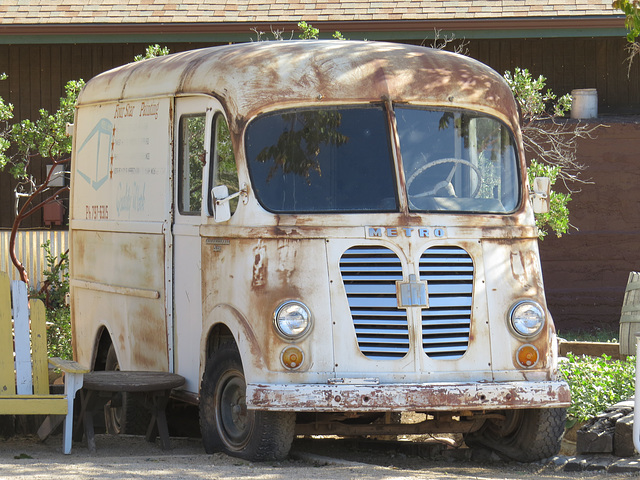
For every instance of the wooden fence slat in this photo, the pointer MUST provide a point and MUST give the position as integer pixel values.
(7, 369)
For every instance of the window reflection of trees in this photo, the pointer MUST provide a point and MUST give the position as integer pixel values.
(193, 157)
(226, 172)
(298, 147)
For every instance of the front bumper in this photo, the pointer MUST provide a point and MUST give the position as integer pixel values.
(407, 397)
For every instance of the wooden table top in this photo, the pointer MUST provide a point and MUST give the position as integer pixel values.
(131, 381)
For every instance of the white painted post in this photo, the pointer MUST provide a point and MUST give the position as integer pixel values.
(20, 302)
(73, 383)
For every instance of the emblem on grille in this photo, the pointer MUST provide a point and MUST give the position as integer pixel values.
(412, 293)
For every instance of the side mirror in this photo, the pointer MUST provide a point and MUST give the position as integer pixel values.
(541, 194)
(220, 203)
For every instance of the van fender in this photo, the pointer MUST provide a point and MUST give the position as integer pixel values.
(244, 336)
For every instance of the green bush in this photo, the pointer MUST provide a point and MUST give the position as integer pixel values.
(597, 383)
(53, 293)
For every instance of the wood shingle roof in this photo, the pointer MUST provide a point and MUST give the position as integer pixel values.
(57, 12)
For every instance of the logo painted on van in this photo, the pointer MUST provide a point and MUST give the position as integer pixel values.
(407, 232)
(95, 152)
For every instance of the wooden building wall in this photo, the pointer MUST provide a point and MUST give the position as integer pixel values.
(570, 63)
(586, 272)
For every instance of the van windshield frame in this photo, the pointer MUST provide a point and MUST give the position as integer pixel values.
(340, 159)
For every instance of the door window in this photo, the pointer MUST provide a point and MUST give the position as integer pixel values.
(224, 171)
(191, 159)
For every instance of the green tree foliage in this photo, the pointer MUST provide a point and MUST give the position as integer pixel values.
(23, 141)
(307, 31)
(535, 102)
(557, 219)
(631, 9)
(6, 114)
(45, 137)
(152, 51)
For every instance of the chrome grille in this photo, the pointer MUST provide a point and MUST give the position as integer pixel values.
(369, 274)
(447, 322)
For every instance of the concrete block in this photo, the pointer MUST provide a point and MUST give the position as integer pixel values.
(623, 437)
(598, 464)
(594, 442)
(575, 464)
(625, 466)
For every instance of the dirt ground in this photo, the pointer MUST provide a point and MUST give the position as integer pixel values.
(131, 457)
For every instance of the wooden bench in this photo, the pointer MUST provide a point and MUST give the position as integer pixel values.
(104, 386)
(24, 372)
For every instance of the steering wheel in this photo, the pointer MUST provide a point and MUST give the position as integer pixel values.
(446, 184)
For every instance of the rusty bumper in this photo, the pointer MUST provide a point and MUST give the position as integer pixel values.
(407, 397)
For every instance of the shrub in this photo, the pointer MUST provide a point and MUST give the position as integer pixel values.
(53, 293)
(597, 383)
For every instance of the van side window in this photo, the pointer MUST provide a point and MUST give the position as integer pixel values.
(191, 160)
(224, 170)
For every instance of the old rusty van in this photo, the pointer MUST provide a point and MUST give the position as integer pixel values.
(319, 236)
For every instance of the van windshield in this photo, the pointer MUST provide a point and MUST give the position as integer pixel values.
(340, 160)
(457, 161)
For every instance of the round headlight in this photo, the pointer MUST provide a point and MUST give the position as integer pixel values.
(527, 318)
(292, 319)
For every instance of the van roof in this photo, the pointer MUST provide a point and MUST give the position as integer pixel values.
(252, 77)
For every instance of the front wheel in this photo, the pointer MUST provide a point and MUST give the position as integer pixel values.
(523, 435)
(225, 422)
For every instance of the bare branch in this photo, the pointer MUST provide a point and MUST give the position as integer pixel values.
(441, 42)
(556, 142)
(633, 49)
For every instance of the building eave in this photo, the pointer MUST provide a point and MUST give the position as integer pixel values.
(530, 27)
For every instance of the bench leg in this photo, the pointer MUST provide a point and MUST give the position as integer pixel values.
(72, 383)
(89, 404)
(157, 402)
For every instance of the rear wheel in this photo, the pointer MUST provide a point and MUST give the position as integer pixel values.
(126, 414)
(225, 422)
(523, 435)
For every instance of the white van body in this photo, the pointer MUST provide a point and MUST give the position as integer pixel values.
(409, 280)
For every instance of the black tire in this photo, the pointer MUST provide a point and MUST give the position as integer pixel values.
(524, 435)
(225, 423)
(129, 414)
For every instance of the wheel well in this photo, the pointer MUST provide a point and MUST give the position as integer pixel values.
(104, 342)
(218, 336)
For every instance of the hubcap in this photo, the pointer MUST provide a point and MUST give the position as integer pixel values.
(234, 421)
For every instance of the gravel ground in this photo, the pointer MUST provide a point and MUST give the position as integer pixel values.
(130, 457)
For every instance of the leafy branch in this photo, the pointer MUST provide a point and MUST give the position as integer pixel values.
(27, 140)
(631, 9)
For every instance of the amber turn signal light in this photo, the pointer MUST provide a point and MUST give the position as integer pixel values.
(292, 357)
(527, 356)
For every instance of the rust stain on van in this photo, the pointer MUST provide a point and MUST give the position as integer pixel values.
(260, 265)
(147, 336)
